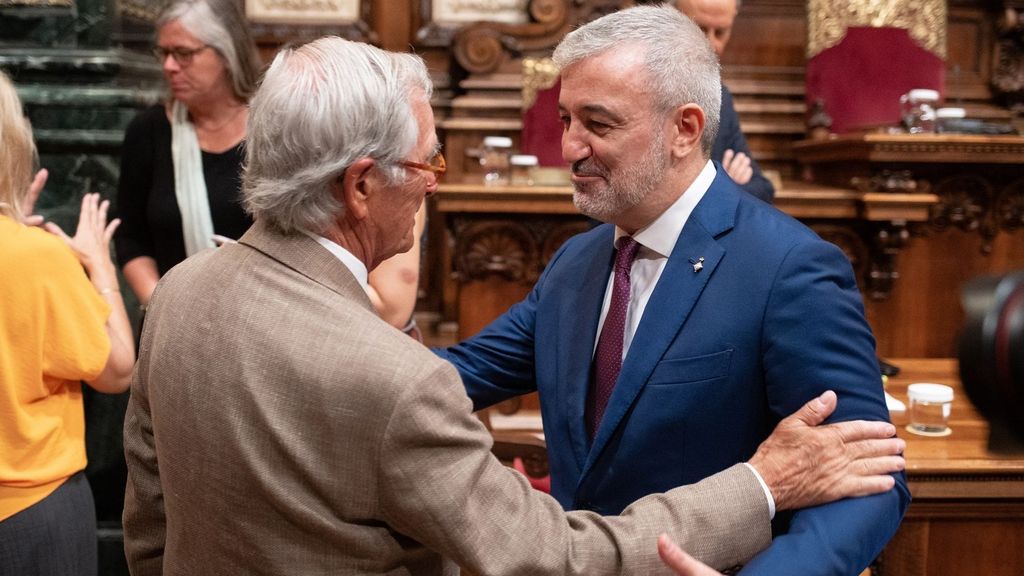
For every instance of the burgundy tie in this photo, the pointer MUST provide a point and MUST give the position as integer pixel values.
(608, 358)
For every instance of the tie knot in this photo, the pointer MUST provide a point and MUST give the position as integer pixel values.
(628, 248)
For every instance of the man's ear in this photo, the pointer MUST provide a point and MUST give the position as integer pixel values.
(688, 127)
(354, 187)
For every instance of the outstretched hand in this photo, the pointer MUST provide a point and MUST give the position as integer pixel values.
(91, 242)
(34, 189)
(805, 463)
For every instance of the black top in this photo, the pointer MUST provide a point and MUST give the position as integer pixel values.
(146, 203)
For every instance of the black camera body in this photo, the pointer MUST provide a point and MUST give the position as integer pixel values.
(992, 355)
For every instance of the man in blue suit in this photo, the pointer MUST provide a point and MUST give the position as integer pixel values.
(730, 316)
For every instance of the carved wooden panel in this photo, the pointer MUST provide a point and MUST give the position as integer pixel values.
(289, 22)
(481, 47)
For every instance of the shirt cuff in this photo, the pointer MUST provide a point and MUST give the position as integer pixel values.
(767, 492)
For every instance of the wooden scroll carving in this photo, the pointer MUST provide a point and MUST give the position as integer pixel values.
(481, 47)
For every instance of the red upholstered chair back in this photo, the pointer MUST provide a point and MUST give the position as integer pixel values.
(861, 78)
(542, 129)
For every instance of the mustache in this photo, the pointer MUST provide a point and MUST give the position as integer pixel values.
(588, 167)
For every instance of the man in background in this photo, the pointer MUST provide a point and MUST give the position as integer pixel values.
(715, 18)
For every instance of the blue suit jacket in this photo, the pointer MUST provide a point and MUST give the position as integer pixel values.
(772, 320)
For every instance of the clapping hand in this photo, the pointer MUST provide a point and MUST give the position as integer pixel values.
(91, 242)
(33, 194)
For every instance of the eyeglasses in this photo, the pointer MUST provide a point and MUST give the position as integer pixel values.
(436, 165)
(183, 56)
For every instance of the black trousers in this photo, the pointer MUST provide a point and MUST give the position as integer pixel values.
(53, 537)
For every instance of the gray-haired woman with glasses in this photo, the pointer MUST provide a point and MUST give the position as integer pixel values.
(180, 169)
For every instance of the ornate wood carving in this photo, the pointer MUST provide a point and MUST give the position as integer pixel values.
(889, 181)
(827, 21)
(481, 47)
(1008, 74)
(966, 201)
(889, 239)
(491, 247)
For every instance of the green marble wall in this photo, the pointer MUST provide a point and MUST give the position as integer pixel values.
(83, 70)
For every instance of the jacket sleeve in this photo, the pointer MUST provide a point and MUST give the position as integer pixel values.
(440, 485)
(498, 363)
(145, 530)
(730, 137)
(816, 338)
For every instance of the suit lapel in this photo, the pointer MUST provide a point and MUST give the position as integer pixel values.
(579, 311)
(673, 298)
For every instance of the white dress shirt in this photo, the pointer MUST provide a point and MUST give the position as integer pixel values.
(355, 265)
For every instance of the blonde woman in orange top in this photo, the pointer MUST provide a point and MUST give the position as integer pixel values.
(62, 321)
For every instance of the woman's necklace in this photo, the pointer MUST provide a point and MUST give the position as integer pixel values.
(223, 124)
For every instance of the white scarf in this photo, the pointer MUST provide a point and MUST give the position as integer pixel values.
(189, 185)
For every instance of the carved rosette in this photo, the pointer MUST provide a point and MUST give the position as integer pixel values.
(503, 248)
(828, 20)
(479, 49)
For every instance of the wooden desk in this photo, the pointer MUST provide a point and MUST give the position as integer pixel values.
(967, 516)
(975, 226)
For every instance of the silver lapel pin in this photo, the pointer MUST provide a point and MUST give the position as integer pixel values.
(698, 265)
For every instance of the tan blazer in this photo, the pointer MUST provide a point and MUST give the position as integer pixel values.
(278, 426)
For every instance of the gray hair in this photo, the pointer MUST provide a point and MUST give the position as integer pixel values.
(681, 65)
(320, 108)
(221, 25)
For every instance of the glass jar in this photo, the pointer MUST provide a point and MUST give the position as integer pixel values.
(930, 406)
(917, 108)
(495, 159)
(522, 169)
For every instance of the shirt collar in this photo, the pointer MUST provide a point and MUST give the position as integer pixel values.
(660, 235)
(355, 265)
